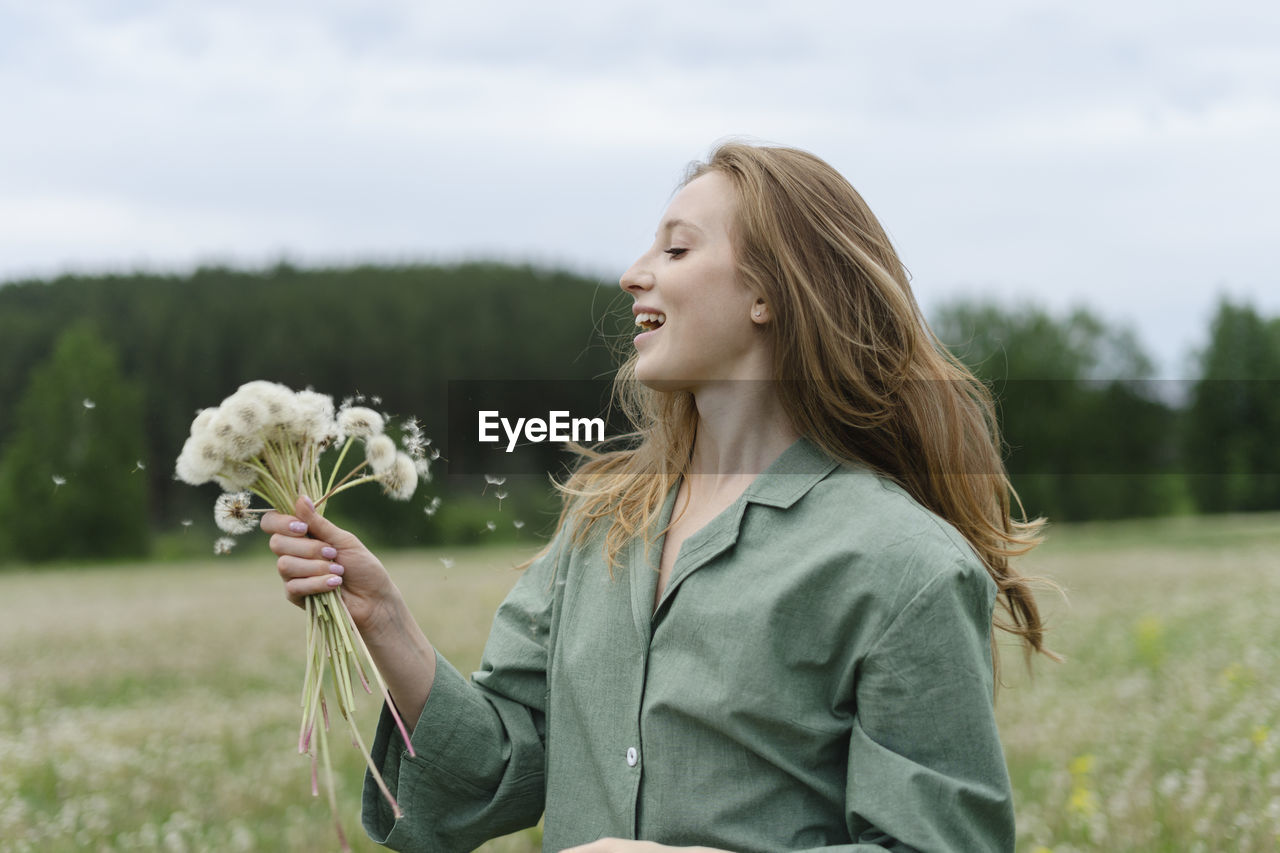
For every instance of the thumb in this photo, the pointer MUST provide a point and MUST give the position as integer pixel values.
(319, 527)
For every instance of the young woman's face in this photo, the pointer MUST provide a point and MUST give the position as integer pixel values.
(695, 316)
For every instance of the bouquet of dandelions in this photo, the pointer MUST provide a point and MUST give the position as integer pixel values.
(267, 440)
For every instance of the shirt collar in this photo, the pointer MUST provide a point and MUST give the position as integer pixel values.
(800, 467)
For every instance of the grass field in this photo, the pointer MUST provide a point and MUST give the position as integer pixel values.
(154, 707)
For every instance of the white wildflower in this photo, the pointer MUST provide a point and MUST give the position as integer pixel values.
(413, 441)
(380, 453)
(232, 514)
(247, 413)
(238, 430)
(224, 545)
(201, 459)
(277, 400)
(236, 476)
(202, 420)
(314, 418)
(359, 422)
(400, 479)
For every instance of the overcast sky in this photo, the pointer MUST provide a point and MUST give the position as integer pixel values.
(1119, 155)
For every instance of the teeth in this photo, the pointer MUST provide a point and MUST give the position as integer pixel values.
(654, 320)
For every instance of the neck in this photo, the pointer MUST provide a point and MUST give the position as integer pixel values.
(742, 429)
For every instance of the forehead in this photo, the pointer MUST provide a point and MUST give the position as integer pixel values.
(706, 203)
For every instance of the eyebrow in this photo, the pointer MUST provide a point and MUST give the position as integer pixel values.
(672, 224)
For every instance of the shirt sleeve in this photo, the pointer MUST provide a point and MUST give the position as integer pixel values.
(478, 768)
(926, 770)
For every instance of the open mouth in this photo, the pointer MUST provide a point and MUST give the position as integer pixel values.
(649, 322)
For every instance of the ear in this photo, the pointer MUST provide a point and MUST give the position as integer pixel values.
(760, 312)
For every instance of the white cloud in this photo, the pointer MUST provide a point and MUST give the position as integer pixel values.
(1081, 151)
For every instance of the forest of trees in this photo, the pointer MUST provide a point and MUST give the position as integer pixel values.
(101, 376)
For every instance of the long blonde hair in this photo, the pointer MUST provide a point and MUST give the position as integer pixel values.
(859, 372)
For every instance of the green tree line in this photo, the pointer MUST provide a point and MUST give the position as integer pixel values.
(100, 377)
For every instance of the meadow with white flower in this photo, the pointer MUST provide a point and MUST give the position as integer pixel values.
(153, 706)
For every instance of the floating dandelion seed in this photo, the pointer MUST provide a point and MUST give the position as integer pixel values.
(517, 524)
(492, 480)
(58, 480)
(433, 455)
(232, 513)
(448, 563)
(223, 545)
(501, 496)
(88, 404)
(138, 466)
(186, 522)
(490, 526)
(431, 508)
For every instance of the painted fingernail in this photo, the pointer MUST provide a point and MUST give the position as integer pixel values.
(306, 500)
(297, 527)
(335, 569)
(328, 552)
(334, 580)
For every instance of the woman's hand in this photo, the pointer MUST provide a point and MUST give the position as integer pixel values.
(315, 555)
(622, 845)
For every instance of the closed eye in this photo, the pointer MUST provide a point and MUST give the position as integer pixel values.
(675, 253)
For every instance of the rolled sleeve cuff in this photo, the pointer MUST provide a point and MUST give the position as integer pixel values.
(461, 768)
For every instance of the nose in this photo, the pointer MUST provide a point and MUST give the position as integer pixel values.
(637, 278)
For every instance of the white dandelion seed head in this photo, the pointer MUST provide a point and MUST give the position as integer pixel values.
(203, 418)
(314, 417)
(433, 455)
(424, 469)
(380, 453)
(238, 429)
(360, 422)
(232, 514)
(400, 479)
(223, 545)
(236, 477)
(276, 400)
(201, 459)
(246, 412)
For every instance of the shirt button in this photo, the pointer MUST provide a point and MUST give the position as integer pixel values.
(632, 756)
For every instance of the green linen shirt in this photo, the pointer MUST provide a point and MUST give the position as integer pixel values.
(817, 675)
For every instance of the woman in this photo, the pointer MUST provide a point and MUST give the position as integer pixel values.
(767, 626)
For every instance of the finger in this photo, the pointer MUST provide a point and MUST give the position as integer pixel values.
(285, 525)
(320, 527)
(301, 546)
(299, 588)
(291, 568)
